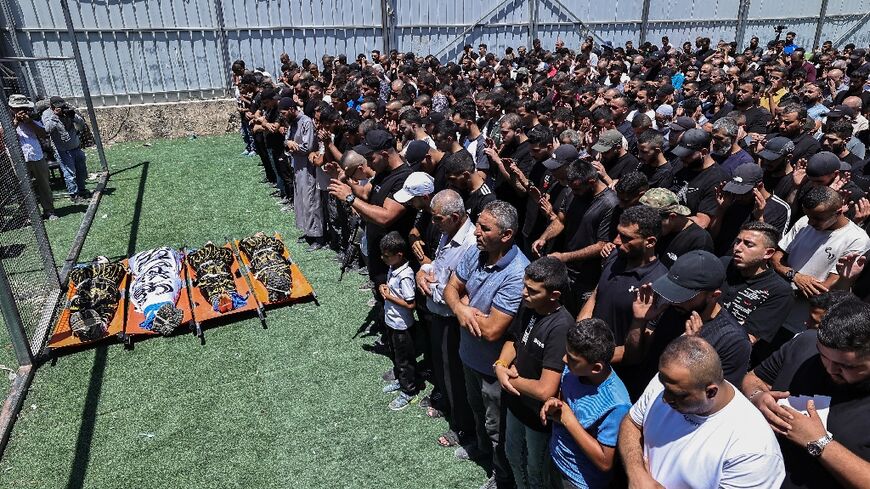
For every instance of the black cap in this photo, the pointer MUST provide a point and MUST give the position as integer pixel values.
(839, 111)
(433, 118)
(776, 148)
(285, 103)
(746, 177)
(693, 140)
(375, 140)
(825, 163)
(682, 123)
(563, 155)
(57, 101)
(416, 151)
(692, 273)
(858, 53)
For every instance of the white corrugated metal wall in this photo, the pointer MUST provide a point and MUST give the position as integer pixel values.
(139, 51)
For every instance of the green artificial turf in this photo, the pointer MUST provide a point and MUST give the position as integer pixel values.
(296, 405)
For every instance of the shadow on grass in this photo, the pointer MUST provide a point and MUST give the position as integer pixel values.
(81, 458)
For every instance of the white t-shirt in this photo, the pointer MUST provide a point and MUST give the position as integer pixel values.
(729, 449)
(815, 253)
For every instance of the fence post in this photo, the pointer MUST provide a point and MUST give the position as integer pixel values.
(386, 29)
(533, 22)
(86, 91)
(823, 11)
(742, 15)
(644, 23)
(13, 321)
(224, 45)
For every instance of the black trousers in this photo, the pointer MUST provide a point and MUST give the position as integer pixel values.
(444, 335)
(404, 359)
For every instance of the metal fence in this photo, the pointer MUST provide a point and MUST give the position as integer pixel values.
(141, 51)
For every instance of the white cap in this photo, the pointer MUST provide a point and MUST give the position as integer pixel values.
(416, 185)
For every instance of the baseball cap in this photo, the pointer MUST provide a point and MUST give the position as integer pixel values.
(607, 140)
(776, 148)
(745, 178)
(416, 151)
(563, 155)
(375, 140)
(285, 103)
(839, 111)
(665, 110)
(18, 101)
(56, 101)
(416, 185)
(692, 273)
(858, 54)
(824, 163)
(693, 140)
(682, 123)
(433, 118)
(663, 200)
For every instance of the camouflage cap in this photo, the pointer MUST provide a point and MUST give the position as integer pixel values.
(664, 200)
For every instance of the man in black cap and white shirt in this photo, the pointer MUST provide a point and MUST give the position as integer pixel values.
(695, 182)
(823, 169)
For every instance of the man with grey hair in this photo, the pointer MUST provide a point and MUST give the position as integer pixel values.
(485, 293)
(690, 417)
(457, 238)
(725, 150)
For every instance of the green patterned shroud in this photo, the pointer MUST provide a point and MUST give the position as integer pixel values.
(266, 255)
(214, 277)
(96, 299)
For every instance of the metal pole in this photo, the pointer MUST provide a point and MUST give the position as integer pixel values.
(19, 166)
(858, 25)
(533, 23)
(386, 12)
(823, 10)
(86, 92)
(742, 15)
(644, 23)
(13, 320)
(222, 40)
(30, 79)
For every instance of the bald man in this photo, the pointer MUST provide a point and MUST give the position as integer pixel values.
(692, 428)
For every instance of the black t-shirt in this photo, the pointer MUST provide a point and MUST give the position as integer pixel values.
(696, 188)
(477, 200)
(504, 190)
(760, 303)
(662, 176)
(540, 344)
(628, 132)
(384, 185)
(797, 368)
(757, 119)
(780, 186)
(693, 237)
(587, 221)
(731, 342)
(626, 163)
(776, 213)
(617, 289)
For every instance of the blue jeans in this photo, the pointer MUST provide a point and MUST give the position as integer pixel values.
(247, 136)
(75, 170)
(528, 453)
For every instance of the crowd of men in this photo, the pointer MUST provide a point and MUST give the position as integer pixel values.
(615, 265)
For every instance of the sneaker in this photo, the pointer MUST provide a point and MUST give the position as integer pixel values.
(389, 376)
(316, 245)
(373, 302)
(75, 199)
(466, 452)
(367, 285)
(490, 484)
(401, 402)
(302, 239)
(50, 216)
(391, 387)
(245, 153)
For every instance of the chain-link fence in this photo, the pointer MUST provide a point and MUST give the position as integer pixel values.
(41, 179)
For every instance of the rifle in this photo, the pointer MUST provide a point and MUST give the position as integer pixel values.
(352, 247)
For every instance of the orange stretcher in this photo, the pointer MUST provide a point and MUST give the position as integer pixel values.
(202, 308)
(300, 291)
(135, 318)
(62, 336)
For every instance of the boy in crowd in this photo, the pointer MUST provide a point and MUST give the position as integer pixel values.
(529, 368)
(399, 296)
(587, 414)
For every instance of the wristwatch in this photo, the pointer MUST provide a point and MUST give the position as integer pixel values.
(349, 199)
(815, 447)
(789, 275)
